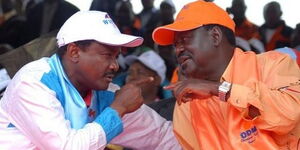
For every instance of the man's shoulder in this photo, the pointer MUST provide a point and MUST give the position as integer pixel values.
(273, 55)
(33, 70)
(274, 58)
(29, 76)
(38, 65)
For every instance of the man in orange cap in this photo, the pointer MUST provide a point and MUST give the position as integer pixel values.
(229, 99)
(67, 101)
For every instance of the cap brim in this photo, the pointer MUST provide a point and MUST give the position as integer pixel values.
(123, 40)
(131, 59)
(165, 35)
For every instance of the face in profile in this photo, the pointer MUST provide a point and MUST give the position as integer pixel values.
(97, 65)
(194, 52)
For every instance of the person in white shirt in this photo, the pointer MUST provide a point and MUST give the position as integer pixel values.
(67, 101)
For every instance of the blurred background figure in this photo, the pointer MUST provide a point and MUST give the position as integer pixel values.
(127, 22)
(274, 33)
(4, 80)
(108, 6)
(12, 25)
(47, 16)
(296, 38)
(4, 77)
(167, 53)
(244, 28)
(149, 16)
(167, 11)
(23, 6)
(125, 18)
(44, 46)
(4, 48)
(148, 64)
(246, 32)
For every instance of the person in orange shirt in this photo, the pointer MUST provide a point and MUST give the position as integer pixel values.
(229, 99)
(245, 31)
(244, 28)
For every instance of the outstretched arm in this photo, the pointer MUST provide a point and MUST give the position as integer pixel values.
(147, 130)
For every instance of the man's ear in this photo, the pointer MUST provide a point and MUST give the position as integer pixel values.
(73, 52)
(217, 35)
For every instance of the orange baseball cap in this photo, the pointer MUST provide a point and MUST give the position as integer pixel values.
(192, 16)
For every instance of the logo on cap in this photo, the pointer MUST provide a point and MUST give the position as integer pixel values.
(107, 20)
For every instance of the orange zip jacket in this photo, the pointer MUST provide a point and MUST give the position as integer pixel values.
(246, 30)
(269, 82)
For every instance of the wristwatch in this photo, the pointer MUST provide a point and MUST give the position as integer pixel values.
(224, 89)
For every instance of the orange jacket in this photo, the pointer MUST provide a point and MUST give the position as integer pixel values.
(269, 82)
(280, 38)
(175, 75)
(246, 30)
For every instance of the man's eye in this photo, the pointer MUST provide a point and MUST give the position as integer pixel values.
(177, 43)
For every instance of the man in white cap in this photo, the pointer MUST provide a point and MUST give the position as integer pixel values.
(229, 99)
(67, 101)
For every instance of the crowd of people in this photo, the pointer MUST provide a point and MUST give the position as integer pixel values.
(108, 78)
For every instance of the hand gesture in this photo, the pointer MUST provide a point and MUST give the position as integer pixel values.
(129, 97)
(190, 89)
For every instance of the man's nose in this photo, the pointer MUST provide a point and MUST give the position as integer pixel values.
(114, 65)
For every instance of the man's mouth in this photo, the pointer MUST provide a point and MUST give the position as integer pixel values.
(109, 77)
(183, 59)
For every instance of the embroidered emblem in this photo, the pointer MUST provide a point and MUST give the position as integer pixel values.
(249, 135)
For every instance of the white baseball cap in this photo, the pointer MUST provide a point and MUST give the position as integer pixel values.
(94, 25)
(152, 60)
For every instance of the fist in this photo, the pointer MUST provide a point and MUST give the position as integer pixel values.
(129, 97)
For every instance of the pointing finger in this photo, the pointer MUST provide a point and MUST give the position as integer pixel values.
(171, 86)
(178, 101)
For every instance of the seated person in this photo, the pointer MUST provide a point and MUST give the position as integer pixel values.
(148, 64)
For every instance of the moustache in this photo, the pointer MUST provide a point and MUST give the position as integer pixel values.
(110, 73)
